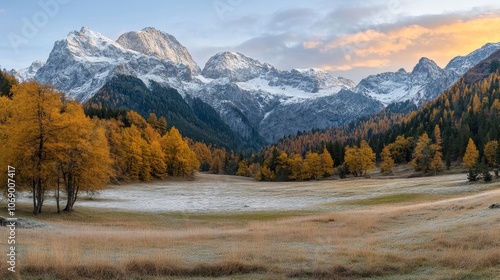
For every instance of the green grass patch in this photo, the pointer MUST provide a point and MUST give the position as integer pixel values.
(391, 199)
(241, 216)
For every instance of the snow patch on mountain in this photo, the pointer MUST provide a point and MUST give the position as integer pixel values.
(82, 63)
(27, 74)
(153, 42)
(425, 82)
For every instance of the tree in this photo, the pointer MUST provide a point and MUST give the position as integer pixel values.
(7, 81)
(52, 143)
(203, 154)
(312, 167)
(423, 154)
(295, 163)
(387, 161)
(490, 150)
(360, 160)
(471, 155)
(217, 164)
(81, 155)
(31, 135)
(326, 163)
(436, 163)
(282, 168)
(179, 158)
(243, 169)
(131, 152)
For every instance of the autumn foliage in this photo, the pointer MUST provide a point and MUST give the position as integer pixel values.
(55, 147)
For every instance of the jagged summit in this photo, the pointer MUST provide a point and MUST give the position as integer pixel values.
(153, 42)
(28, 74)
(461, 64)
(235, 66)
(426, 81)
(85, 60)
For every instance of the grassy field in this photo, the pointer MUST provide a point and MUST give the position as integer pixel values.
(420, 228)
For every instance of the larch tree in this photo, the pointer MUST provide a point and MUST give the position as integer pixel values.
(181, 161)
(130, 152)
(387, 161)
(312, 168)
(422, 155)
(490, 151)
(82, 154)
(32, 136)
(295, 163)
(203, 154)
(360, 160)
(436, 163)
(326, 163)
(471, 155)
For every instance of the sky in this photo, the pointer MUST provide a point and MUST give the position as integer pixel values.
(351, 38)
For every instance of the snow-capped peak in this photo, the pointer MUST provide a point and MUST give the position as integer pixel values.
(87, 44)
(461, 64)
(153, 42)
(235, 66)
(27, 74)
(86, 60)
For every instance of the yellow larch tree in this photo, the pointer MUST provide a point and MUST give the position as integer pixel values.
(490, 151)
(387, 161)
(295, 163)
(471, 155)
(326, 163)
(312, 168)
(179, 158)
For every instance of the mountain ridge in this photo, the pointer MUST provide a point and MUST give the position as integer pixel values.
(248, 95)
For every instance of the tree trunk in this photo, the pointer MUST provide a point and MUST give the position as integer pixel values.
(39, 196)
(33, 190)
(57, 193)
(70, 193)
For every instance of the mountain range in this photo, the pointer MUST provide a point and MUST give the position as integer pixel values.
(251, 101)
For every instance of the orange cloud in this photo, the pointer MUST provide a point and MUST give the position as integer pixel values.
(372, 63)
(372, 48)
(311, 44)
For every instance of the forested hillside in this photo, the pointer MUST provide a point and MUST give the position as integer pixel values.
(194, 118)
(443, 129)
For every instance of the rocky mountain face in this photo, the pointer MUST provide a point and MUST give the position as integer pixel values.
(255, 99)
(425, 82)
(82, 63)
(27, 74)
(251, 95)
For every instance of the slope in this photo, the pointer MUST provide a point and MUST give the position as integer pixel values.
(198, 122)
(469, 109)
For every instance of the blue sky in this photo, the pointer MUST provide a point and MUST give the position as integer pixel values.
(351, 38)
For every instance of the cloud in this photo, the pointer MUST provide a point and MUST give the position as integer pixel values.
(2, 11)
(360, 37)
(371, 63)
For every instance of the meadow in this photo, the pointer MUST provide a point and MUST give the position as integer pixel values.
(380, 228)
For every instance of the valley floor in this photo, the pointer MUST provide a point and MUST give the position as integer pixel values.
(382, 228)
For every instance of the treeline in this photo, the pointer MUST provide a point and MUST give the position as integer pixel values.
(54, 146)
(430, 139)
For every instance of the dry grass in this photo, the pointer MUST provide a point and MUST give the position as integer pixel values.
(456, 238)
